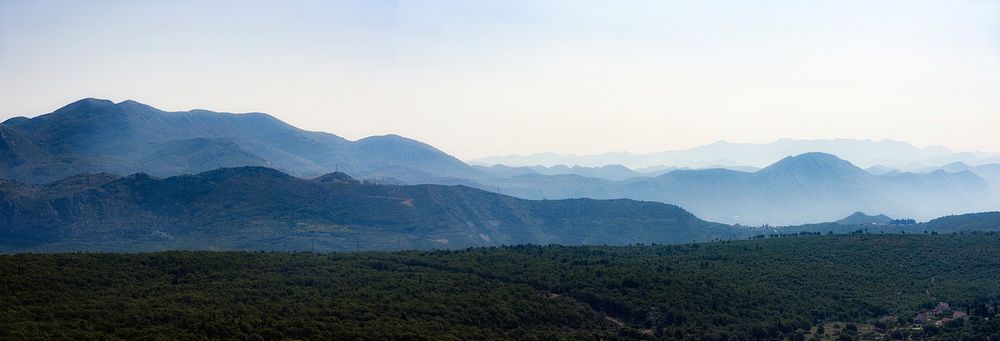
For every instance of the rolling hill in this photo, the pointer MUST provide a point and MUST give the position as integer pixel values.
(258, 208)
(860, 218)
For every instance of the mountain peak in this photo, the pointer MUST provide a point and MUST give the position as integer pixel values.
(812, 163)
(860, 218)
(336, 178)
(136, 107)
(956, 166)
(15, 120)
(86, 103)
(809, 158)
(92, 101)
(815, 156)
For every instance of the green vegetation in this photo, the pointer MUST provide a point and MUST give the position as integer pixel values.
(257, 208)
(829, 286)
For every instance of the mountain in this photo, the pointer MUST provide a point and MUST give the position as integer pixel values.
(722, 154)
(811, 187)
(259, 208)
(607, 172)
(881, 170)
(611, 172)
(860, 218)
(94, 135)
(984, 221)
(99, 136)
(989, 171)
(812, 167)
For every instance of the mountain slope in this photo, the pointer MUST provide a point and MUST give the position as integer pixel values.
(93, 135)
(261, 208)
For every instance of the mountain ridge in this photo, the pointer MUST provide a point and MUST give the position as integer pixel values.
(264, 208)
(795, 190)
(260, 208)
(865, 153)
(100, 136)
(94, 135)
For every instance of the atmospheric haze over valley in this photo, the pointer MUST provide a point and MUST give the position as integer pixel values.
(787, 182)
(499, 170)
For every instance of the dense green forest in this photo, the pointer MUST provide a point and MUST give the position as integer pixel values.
(856, 286)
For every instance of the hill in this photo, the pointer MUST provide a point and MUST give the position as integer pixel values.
(258, 208)
(860, 218)
(851, 286)
(985, 221)
(94, 135)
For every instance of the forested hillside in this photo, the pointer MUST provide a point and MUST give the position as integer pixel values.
(843, 286)
(258, 208)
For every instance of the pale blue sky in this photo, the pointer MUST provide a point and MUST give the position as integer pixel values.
(478, 78)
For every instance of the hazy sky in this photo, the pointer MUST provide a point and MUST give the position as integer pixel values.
(478, 78)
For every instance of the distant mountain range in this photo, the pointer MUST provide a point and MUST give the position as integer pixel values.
(98, 136)
(262, 208)
(989, 171)
(93, 135)
(259, 208)
(811, 187)
(722, 154)
(610, 172)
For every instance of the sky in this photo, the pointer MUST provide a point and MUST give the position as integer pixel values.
(480, 78)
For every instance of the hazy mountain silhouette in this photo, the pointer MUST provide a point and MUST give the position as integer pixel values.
(989, 171)
(259, 208)
(867, 153)
(608, 172)
(984, 221)
(611, 172)
(262, 208)
(860, 218)
(94, 135)
(811, 187)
